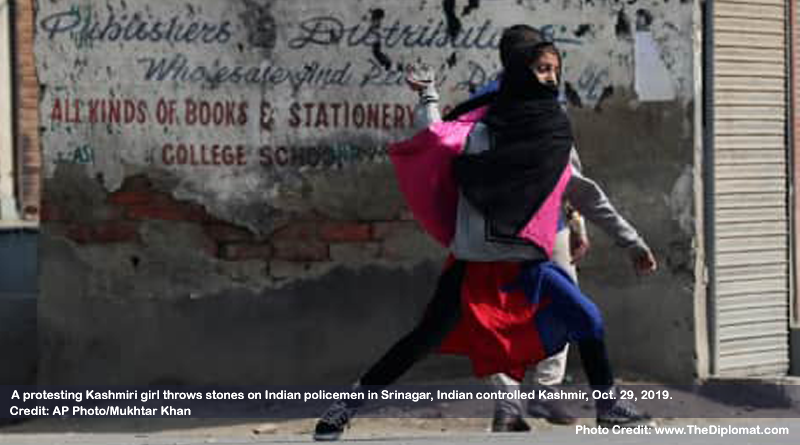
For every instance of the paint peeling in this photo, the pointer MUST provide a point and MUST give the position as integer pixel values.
(644, 20)
(607, 93)
(229, 123)
(452, 60)
(622, 28)
(653, 79)
(583, 29)
(262, 28)
(572, 96)
(471, 6)
(453, 23)
(376, 18)
(681, 201)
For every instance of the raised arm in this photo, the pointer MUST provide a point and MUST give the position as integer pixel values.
(423, 83)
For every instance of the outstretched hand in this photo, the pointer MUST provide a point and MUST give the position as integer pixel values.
(418, 78)
(644, 263)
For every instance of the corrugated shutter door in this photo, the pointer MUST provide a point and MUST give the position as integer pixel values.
(751, 188)
(795, 4)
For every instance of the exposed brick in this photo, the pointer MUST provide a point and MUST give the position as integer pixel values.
(52, 212)
(245, 251)
(227, 233)
(29, 83)
(391, 229)
(110, 232)
(355, 254)
(27, 112)
(138, 183)
(133, 198)
(167, 211)
(106, 213)
(26, 65)
(144, 205)
(31, 102)
(296, 231)
(345, 232)
(29, 94)
(300, 250)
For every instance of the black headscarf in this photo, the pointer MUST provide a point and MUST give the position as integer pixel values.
(532, 139)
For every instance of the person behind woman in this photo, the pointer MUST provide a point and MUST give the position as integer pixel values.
(570, 246)
(499, 299)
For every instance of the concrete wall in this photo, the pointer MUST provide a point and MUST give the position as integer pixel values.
(219, 206)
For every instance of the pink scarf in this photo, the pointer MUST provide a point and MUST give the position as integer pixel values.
(423, 168)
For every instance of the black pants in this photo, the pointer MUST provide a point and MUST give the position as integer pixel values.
(441, 317)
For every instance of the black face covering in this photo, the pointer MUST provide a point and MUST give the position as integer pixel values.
(532, 140)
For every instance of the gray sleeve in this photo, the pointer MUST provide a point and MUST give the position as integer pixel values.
(590, 200)
(426, 111)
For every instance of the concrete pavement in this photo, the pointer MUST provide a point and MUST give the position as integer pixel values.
(373, 431)
(442, 423)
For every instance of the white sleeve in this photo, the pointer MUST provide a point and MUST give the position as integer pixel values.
(426, 111)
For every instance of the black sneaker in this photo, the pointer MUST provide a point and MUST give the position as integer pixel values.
(506, 424)
(623, 413)
(331, 425)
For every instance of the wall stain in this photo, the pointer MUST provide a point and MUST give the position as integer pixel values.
(453, 23)
(607, 92)
(573, 97)
(452, 60)
(261, 25)
(473, 4)
(583, 29)
(623, 26)
(644, 19)
(376, 19)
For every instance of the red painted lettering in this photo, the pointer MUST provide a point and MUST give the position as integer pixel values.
(294, 112)
(373, 113)
(265, 155)
(322, 116)
(386, 118)
(56, 112)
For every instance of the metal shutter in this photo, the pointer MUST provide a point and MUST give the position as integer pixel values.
(751, 212)
(795, 116)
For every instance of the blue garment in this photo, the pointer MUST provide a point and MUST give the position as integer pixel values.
(570, 316)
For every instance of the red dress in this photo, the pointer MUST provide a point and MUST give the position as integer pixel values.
(513, 314)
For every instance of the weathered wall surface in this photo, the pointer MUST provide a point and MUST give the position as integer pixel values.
(218, 203)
